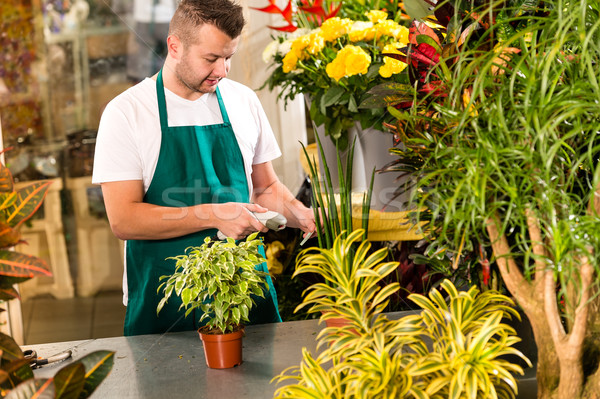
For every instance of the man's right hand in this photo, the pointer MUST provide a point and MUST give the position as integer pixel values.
(235, 219)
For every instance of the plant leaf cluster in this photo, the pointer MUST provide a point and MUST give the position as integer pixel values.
(75, 380)
(453, 348)
(333, 208)
(16, 207)
(219, 278)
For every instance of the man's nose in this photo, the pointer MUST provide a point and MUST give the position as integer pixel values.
(222, 68)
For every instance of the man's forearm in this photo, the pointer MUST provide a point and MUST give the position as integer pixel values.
(142, 221)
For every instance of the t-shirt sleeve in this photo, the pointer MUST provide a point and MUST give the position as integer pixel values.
(116, 156)
(267, 148)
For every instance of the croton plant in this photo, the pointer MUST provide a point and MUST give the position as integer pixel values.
(75, 380)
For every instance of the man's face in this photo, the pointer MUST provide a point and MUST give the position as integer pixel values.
(206, 61)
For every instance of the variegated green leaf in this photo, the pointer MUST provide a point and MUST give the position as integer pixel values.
(97, 366)
(14, 264)
(29, 199)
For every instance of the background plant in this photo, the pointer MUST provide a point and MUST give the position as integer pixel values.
(336, 63)
(509, 161)
(219, 278)
(75, 380)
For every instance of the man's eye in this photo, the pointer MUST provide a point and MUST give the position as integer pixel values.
(211, 60)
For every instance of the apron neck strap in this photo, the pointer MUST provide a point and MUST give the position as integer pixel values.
(162, 104)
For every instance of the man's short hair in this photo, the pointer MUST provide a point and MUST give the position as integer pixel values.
(226, 15)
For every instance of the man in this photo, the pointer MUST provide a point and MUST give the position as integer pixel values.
(184, 154)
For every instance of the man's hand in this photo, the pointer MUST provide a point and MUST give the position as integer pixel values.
(235, 220)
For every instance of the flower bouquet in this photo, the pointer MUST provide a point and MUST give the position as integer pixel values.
(337, 62)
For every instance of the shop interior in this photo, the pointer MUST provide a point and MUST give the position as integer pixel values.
(67, 60)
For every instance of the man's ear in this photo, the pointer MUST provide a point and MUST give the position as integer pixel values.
(174, 47)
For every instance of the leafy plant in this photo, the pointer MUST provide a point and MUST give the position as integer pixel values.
(351, 276)
(453, 348)
(219, 278)
(515, 168)
(334, 213)
(75, 380)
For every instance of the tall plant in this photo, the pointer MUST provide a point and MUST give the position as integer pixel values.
(510, 158)
(334, 213)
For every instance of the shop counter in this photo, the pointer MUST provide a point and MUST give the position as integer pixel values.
(172, 364)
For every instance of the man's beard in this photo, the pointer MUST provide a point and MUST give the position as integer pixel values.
(183, 73)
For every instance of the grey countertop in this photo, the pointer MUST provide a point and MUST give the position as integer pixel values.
(173, 365)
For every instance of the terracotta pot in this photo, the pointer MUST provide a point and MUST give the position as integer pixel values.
(222, 351)
(337, 322)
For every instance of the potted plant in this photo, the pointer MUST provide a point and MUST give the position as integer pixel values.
(78, 379)
(510, 160)
(350, 289)
(456, 346)
(218, 278)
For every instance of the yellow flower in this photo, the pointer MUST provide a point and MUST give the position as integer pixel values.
(390, 28)
(335, 27)
(359, 31)
(376, 16)
(316, 43)
(289, 62)
(391, 66)
(357, 62)
(335, 70)
(351, 60)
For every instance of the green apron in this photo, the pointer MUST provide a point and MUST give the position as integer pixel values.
(196, 165)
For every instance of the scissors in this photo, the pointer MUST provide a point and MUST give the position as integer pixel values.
(35, 361)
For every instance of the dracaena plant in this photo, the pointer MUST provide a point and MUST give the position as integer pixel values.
(516, 168)
(456, 347)
(76, 380)
(219, 278)
(351, 279)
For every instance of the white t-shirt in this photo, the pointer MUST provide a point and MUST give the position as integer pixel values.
(128, 141)
(129, 135)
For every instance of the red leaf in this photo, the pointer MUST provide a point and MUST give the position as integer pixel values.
(333, 11)
(271, 9)
(287, 12)
(421, 28)
(14, 264)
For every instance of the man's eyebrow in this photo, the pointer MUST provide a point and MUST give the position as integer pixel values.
(213, 55)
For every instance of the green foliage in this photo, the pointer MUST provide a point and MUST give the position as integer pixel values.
(76, 380)
(334, 212)
(351, 279)
(523, 141)
(219, 278)
(453, 348)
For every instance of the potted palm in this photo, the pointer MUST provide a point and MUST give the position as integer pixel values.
(78, 379)
(219, 278)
